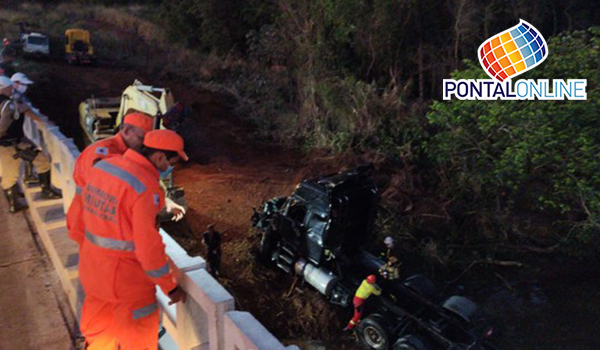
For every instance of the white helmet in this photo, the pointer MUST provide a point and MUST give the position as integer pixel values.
(388, 240)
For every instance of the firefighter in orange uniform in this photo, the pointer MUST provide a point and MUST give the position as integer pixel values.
(123, 257)
(135, 126)
(367, 287)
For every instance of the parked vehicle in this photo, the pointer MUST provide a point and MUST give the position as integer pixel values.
(35, 45)
(78, 47)
(100, 117)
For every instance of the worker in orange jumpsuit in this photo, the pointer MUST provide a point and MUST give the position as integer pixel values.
(366, 289)
(135, 126)
(123, 257)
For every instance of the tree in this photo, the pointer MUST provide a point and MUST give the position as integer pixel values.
(511, 157)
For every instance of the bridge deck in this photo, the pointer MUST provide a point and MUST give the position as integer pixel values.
(34, 312)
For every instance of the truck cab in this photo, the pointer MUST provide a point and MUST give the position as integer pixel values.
(323, 219)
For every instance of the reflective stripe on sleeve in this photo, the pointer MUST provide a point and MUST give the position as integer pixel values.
(110, 243)
(122, 174)
(78, 190)
(145, 311)
(158, 273)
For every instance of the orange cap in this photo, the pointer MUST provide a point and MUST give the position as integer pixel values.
(166, 140)
(141, 120)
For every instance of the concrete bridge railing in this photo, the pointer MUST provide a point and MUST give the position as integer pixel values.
(207, 321)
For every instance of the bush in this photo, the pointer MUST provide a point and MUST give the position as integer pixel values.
(516, 157)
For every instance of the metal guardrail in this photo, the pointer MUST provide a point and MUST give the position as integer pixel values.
(206, 321)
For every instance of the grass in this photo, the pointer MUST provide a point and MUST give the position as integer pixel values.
(121, 35)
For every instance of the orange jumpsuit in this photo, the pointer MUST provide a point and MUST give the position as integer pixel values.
(123, 257)
(92, 154)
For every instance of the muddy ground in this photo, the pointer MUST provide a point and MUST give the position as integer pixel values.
(548, 303)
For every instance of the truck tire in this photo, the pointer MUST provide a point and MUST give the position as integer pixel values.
(420, 284)
(461, 307)
(410, 342)
(374, 333)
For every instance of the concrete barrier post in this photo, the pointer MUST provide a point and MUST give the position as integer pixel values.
(245, 332)
(200, 320)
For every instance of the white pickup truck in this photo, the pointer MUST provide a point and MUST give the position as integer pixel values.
(35, 45)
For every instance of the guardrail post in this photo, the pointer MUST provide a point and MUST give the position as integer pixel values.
(245, 332)
(200, 320)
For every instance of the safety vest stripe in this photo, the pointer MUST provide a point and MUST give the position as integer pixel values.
(78, 190)
(158, 273)
(145, 311)
(122, 174)
(110, 243)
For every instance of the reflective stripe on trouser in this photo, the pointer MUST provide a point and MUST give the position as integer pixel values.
(107, 325)
(11, 166)
(110, 243)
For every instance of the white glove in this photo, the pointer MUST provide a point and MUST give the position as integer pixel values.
(174, 208)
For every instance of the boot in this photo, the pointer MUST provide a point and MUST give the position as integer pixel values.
(13, 199)
(29, 177)
(47, 190)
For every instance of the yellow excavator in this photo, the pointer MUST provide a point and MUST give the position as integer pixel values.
(101, 117)
(78, 47)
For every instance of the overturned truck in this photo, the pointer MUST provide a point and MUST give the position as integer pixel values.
(321, 233)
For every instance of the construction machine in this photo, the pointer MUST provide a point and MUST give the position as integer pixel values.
(78, 47)
(100, 117)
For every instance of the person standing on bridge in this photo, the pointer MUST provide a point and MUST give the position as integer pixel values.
(28, 150)
(133, 129)
(123, 257)
(11, 137)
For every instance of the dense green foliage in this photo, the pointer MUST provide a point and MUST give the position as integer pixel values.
(527, 156)
(335, 62)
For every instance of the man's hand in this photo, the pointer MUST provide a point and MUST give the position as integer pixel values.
(177, 295)
(177, 210)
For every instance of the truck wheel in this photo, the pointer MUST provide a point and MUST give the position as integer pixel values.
(410, 342)
(374, 333)
(461, 306)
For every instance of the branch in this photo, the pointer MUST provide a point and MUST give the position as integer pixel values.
(486, 261)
